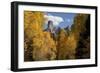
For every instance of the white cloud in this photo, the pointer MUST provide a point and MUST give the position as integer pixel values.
(56, 19)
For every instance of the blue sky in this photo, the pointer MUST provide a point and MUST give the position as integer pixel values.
(67, 18)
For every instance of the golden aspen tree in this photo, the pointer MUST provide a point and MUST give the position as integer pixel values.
(43, 46)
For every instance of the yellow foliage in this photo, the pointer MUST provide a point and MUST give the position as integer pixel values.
(43, 45)
(33, 21)
(66, 46)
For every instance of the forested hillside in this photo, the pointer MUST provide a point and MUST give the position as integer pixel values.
(39, 45)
